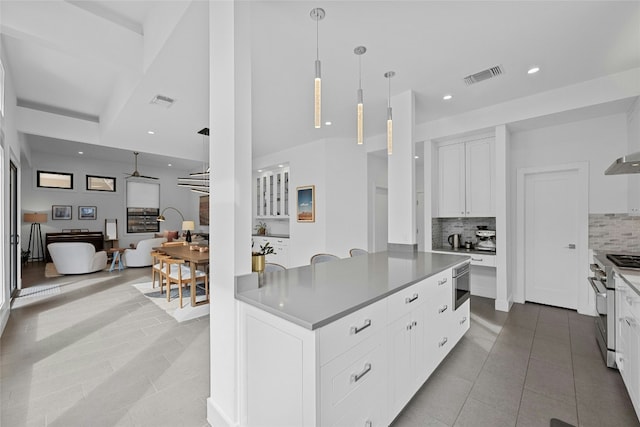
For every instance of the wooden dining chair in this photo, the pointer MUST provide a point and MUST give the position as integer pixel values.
(178, 273)
(157, 267)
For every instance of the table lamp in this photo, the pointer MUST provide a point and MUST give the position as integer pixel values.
(188, 225)
(36, 247)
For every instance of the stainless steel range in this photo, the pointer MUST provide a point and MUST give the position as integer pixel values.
(602, 284)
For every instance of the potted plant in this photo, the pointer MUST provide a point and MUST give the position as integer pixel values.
(261, 228)
(258, 258)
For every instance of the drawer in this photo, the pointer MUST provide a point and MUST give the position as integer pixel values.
(352, 379)
(369, 413)
(402, 302)
(461, 321)
(630, 302)
(343, 334)
(483, 260)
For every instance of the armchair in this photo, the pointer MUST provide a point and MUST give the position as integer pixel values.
(76, 257)
(141, 255)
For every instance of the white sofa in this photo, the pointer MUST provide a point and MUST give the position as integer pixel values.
(77, 257)
(141, 255)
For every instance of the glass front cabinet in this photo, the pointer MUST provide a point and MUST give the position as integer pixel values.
(272, 194)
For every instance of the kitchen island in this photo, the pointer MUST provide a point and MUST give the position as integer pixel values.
(347, 342)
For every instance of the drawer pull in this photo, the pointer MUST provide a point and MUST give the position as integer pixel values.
(443, 309)
(357, 377)
(442, 282)
(408, 300)
(464, 319)
(414, 323)
(443, 342)
(476, 259)
(356, 329)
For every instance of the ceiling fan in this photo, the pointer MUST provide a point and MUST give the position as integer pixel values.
(135, 173)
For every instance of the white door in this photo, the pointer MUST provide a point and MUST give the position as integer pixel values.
(552, 206)
(381, 220)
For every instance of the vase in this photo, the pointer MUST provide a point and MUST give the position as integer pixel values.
(257, 263)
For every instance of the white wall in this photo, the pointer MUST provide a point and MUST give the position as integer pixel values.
(109, 205)
(377, 176)
(338, 169)
(598, 141)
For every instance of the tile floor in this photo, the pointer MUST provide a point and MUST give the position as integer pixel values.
(100, 354)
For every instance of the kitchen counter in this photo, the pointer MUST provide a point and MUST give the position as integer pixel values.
(463, 251)
(631, 277)
(314, 296)
(276, 236)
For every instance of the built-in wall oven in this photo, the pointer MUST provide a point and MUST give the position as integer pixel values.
(461, 284)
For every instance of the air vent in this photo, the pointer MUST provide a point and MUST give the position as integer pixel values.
(484, 75)
(163, 101)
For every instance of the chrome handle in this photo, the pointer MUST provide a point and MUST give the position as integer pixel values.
(408, 300)
(443, 309)
(627, 320)
(409, 327)
(571, 246)
(443, 342)
(476, 259)
(357, 377)
(356, 329)
(464, 319)
(442, 282)
(414, 324)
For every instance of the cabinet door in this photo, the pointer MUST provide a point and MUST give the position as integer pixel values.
(451, 180)
(480, 178)
(620, 289)
(400, 357)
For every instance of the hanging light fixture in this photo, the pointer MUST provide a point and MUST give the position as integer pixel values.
(388, 75)
(360, 50)
(317, 14)
(198, 182)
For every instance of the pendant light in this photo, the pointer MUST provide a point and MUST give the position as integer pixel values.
(198, 182)
(388, 75)
(360, 50)
(317, 14)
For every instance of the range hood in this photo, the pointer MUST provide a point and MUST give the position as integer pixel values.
(624, 165)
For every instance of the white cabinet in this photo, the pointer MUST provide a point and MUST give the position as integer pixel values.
(466, 179)
(628, 338)
(272, 194)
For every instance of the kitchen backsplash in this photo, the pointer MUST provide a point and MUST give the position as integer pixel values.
(614, 232)
(442, 228)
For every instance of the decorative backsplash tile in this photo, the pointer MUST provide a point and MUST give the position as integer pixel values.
(614, 232)
(442, 228)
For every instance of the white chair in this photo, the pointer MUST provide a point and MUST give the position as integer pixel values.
(318, 258)
(77, 257)
(141, 255)
(176, 272)
(270, 267)
(357, 252)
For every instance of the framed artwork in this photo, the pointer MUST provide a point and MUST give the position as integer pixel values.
(101, 183)
(60, 212)
(87, 212)
(306, 203)
(204, 210)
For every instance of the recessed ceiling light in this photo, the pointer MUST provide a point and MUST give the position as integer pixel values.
(327, 123)
(447, 97)
(150, 132)
(80, 152)
(533, 70)
(259, 170)
(169, 165)
(280, 166)
(416, 157)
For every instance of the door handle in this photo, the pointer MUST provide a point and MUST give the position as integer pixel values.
(571, 246)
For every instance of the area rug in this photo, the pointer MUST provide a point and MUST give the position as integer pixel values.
(173, 307)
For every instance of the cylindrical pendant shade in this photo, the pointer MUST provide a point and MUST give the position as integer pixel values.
(317, 96)
(389, 132)
(360, 118)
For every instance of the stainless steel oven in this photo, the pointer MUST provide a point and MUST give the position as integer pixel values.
(461, 284)
(605, 307)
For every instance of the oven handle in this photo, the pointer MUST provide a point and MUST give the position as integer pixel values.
(597, 286)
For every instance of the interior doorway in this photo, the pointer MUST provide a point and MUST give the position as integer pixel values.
(553, 235)
(14, 236)
(381, 220)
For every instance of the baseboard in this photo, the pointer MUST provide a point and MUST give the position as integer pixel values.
(503, 305)
(216, 417)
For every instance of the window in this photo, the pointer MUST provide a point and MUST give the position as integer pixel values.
(143, 207)
(55, 180)
(101, 183)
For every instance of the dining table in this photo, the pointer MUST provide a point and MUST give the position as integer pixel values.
(194, 257)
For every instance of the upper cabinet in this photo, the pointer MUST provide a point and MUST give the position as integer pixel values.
(466, 179)
(272, 194)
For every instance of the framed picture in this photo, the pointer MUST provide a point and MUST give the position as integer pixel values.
(306, 203)
(204, 210)
(87, 212)
(61, 212)
(101, 183)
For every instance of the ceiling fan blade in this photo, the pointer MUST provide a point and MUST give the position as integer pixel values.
(147, 177)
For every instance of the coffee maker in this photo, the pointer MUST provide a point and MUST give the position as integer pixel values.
(486, 240)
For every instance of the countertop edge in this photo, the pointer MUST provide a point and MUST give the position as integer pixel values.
(626, 275)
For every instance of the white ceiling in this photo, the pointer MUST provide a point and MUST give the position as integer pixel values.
(90, 58)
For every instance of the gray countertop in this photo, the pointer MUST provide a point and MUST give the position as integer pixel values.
(314, 296)
(631, 277)
(463, 251)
